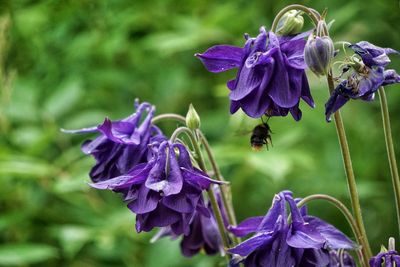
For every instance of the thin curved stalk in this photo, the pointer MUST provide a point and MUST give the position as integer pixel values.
(225, 190)
(168, 116)
(210, 192)
(305, 9)
(351, 181)
(390, 150)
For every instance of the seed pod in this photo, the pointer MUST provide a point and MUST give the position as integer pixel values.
(318, 54)
(291, 23)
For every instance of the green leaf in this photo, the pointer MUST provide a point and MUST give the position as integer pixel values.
(25, 253)
(63, 99)
(25, 166)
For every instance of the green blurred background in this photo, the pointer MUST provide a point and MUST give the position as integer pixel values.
(68, 64)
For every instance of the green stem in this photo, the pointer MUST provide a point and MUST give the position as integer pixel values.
(225, 189)
(305, 9)
(390, 150)
(210, 191)
(168, 116)
(347, 214)
(351, 181)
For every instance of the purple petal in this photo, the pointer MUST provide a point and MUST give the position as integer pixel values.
(296, 113)
(302, 234)
(89, 146)
(257, 102)
(390, 77)
(159, 180)
(221, 58)
(120, 132)
(160, 217)
(335, 239)
(294, 53)
(199, 178)
(251, 244)
(231, 84)
(305, 91)
(276, 213)
(247, 81)
(250, 225)
(146, 201)
(179, 203)
(137, 176)
(282, 93)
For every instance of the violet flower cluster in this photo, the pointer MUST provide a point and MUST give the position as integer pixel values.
(305, 241)
(155, 177)
(164, 189)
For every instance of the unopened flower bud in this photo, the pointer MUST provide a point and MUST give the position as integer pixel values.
(192, 118)
(291, 23)
(318, 54)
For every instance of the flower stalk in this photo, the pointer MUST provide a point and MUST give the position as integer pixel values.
(225, 190)
(351, 181)
(390, 150)
(210, 192)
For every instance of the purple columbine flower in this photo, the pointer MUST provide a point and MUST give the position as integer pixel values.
(386, 259)
(165, 191)
(340, 258)
(122, 144)
(270, 78)
(303, 242)
(365, 80)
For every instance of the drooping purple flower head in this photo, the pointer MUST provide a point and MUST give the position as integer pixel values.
(165, 191)
(366, 80)
(122, 144)
(303, 242)
(340, 258)
(386, 259)
(270, 78)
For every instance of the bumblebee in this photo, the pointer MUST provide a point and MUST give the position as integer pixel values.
(261, 136)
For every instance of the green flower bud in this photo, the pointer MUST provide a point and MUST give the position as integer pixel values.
(318, 54)
(291, 23)
(192, 118)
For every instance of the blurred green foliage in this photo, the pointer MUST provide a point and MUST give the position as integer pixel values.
(68, 64)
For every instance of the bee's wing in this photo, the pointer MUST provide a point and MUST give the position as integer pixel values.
(243, 132)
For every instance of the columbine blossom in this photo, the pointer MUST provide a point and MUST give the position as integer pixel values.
(165, 191)
(122, 144)
(270, 78)
(386, 259)
(366, 80)
(305, 241)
